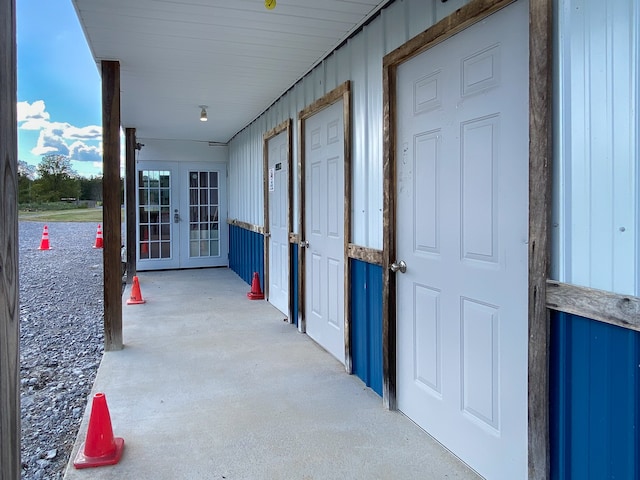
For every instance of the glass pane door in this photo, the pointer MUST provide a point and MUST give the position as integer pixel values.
(154, 214)
(204, 204)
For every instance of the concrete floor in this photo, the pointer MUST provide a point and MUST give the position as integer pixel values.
(211, 385)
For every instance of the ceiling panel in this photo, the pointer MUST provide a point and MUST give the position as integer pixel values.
(235, 56)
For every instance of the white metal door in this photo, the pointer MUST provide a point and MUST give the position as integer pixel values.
(462, 229)
(278, 192)
(324, 228)
(181, 215)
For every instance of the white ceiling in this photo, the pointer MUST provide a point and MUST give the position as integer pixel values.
(235, 56)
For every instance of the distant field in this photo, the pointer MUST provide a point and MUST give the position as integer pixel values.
(75, 215)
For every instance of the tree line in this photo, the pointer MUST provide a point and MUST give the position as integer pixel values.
(54, 180)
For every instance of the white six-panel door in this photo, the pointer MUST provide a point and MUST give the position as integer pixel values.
(462, 229)
(324, 228)
(278, 191)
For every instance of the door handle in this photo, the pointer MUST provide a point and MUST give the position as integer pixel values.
(176, 216)
(304, 244)
(398, 266)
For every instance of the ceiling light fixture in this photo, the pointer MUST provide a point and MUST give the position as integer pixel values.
(203, 113)
(270, 4)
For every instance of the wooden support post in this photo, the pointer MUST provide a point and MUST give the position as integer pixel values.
(130, 194)
(540, 160)
(9, 304)
(111, 205)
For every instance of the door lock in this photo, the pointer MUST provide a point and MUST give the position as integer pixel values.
(176, 216)
(398, 266)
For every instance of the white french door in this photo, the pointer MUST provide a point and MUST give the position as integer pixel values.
(181, 215)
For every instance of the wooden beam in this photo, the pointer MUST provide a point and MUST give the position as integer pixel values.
(540, 161)
(111, 205)
(9, 303)
(365, 254)
(608, 307)
(247, 226)
(130, 194)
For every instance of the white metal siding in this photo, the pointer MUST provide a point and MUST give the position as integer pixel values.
(359, 60)
(596, 213)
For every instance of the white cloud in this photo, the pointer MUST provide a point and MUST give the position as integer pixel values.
(32, 111)
(92, 132)
(55, 137)
(50, 144)
(84, 153)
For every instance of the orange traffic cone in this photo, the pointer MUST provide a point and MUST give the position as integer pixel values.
(99, 240)
(44, 243)
(136, 296)
(255, 293)
(99, 448)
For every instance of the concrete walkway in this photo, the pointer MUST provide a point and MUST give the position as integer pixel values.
(211, 385)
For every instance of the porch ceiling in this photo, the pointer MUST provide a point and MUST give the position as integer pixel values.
(235, 56)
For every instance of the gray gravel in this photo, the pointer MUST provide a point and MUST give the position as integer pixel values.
(61, 340)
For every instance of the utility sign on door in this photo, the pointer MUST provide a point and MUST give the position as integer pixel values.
(462, 229)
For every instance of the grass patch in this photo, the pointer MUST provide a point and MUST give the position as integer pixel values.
(66, 215)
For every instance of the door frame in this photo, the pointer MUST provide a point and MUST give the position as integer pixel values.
(540, 163)
(342, 92)
(283, 127)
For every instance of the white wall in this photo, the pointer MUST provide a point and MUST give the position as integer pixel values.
(597, 201)
(180, 151)
(359, 60)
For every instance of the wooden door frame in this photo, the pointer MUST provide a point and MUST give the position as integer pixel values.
(283, 127)
(540, 161)
(342, 92)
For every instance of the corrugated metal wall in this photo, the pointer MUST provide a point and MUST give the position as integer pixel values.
(595, 368)
(358, 60)
(366, 323)
(597, 199)
(246, 253)
(595, 413)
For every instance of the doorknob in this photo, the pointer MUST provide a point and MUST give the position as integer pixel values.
(304, 244)
(401, 265)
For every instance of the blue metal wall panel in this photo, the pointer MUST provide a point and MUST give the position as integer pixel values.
(366, 323)
(293, 280)
(595, 400)
(246, 253)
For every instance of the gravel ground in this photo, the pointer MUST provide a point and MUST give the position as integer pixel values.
(61, 340)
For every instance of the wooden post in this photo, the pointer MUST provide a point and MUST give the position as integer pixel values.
(130, 194)
(111, 205)
(540, 161)
(9, 305)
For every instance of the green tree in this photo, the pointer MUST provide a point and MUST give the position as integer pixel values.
(56, 180)
(90, 188)
(26, 174)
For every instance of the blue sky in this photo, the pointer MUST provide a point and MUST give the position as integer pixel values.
(59, 89)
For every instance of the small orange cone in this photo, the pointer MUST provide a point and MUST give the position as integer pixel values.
(99, 448)
(136, 296)
(99, 239)
(255, 293)
(44, 243)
